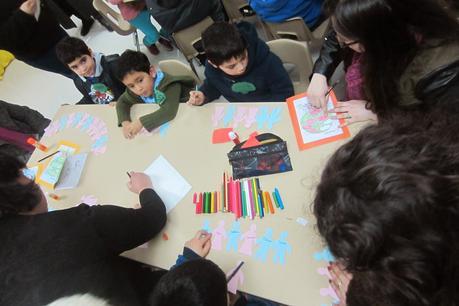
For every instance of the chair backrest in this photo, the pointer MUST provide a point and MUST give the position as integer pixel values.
(175, 67)
(293, 28)
(185, 38)
(233, 8)
(297, 60)
(113, 17)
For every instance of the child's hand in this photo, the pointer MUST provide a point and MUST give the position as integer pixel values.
(196, 97)
(340, 281)
(127, 129)
(317, 90)
(138, 182)
(29, 7)
(136, 126)
(112, 104)
(200, 244)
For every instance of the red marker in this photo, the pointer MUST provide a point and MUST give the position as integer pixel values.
(32, 141)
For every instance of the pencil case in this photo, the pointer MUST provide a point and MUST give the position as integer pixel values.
(270, 157)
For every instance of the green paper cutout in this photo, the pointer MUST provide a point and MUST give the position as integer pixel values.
(243, 87)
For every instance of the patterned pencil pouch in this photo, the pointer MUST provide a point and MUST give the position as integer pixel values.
(269, 157)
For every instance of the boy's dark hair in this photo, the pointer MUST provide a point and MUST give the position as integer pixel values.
(197, 282)
(71, 48)
(14, 196)
(131, 61)
(222, 41)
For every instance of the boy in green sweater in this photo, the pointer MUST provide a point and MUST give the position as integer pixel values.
(145, 84)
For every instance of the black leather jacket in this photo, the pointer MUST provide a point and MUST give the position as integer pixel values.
(438, 86)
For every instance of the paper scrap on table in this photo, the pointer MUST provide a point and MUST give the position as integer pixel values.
(71, 172)
(221, 135)
(89, 199)
(236, 281)
(168, 183)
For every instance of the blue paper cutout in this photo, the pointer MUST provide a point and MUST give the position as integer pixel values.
(233, 236)
(281, 247)
(230, 111)
(324, 255)
(76, 119)
(163, 129)
(87, 123)
(265, 244)
(274, 117)
(102, 140)
(63, 123)
(206, 226)
(262, 116)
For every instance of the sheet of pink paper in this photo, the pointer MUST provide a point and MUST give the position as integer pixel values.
(324, 271)
(251, 117)
(89, 199)
(329, 292)
(218, 235)
(218, 115)
(241, 113)
(236, 281)
(249, 239)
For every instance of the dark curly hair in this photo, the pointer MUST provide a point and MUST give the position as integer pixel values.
(132, 61)
(15, 197)
(388, 207)
(71, 48)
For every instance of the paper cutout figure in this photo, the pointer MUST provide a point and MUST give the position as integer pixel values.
(218, 235)
(265, 244)
(250, 118)
(241, 113)
(100, 142)
(324, 255)
(302, 221)
(221, 135)
(89, 200)
(262, 116)
(324, 272)
(249, 239)
(70, 120)
(233, 236)
(87, 123)
(62, 123)
(76, 119)
(95, 126)
(218, 115)
(99, 150)
(164, 128)
(281, 247)
(206, 226)
(100, 133)
(51, 129)
(230, 110)
(83, 119)
(236, 281)
(329, 292)
(274, 117)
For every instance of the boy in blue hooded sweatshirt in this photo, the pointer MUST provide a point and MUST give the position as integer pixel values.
(240, 67)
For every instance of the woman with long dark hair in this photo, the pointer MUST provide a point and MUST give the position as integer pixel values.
(388, 208)
(396, 54)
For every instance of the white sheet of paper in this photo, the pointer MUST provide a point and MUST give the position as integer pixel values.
(313, 124)
(38, 10)
(167, 182)
(71, 172)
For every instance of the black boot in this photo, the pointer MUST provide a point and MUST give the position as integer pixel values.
(86, 26)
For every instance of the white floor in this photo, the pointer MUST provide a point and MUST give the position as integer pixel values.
(45, 91)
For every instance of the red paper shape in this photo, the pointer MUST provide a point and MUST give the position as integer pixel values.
(252, 141)
(221, 135)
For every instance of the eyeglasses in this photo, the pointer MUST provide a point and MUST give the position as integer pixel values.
(343, 44)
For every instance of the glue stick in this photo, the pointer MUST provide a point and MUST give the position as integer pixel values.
(234, 137)
(32, 141)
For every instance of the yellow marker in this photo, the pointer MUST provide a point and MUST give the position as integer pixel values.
(212, 202)
(255, 196)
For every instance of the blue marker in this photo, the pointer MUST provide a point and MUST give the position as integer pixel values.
(278, 197)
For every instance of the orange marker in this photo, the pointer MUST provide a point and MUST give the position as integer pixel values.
(53, 196)
(32, 141)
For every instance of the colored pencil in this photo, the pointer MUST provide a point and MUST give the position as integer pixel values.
(268, 199)
(199, 204)
(254, 198)
(281, 204)
(234, 272)
(275, 200)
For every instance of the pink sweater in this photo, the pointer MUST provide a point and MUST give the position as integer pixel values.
(129, 11)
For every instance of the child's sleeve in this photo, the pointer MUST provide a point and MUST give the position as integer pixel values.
(123, 109)
(210, 92)
(331, 54)
(279, 81)
(167, 110)
(16, 30)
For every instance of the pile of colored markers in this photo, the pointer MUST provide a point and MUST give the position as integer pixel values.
(244, 198)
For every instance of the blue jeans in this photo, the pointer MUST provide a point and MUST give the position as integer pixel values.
(144, 24)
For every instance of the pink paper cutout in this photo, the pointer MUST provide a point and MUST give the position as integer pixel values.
(218, 115)
(325, 272)
(99, 134)
(52, 128)
(250, 239)
(83, 119)
(251, 117)
(236, 281)
(144, 131)
(329, 292)
(240, 115)
(218, 235)
(89, 200)
(99, 150)
(70, 120)
(94, 127)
